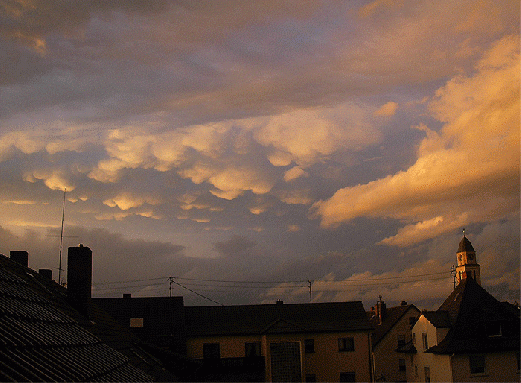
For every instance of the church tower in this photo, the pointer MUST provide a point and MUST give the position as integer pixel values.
(467, 265)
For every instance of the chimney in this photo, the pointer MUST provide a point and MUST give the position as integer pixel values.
(46, 273)
(79, 278)
(127, 296)
(279, 302)
(381, 311)
(404, 303)
(21, 257)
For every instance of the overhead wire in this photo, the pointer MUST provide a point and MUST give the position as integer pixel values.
(216, 285)
(260, 282)
(195, 292)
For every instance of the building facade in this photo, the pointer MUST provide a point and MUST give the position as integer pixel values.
(391, 337)
(279, 342)
(471, 337)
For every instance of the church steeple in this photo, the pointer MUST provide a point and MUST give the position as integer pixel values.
(467, 264)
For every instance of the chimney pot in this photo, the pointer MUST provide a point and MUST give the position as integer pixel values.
(280, 302)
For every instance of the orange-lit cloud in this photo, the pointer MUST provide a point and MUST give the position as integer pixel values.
(127, 200)
(53, 179)
(468, 172)
(388, 109)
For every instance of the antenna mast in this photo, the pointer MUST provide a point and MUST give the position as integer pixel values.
(61, 239)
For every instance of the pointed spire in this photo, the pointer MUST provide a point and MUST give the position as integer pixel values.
(465, 245)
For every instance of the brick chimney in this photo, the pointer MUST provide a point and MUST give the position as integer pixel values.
(21, 257)
(79, 278)
(381, 311)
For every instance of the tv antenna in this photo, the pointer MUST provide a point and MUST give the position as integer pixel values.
(61, 239)
(60, 267)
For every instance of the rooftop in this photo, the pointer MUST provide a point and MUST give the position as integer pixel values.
(42, 338)
(391, 317)
(477, 321)
(276, 318)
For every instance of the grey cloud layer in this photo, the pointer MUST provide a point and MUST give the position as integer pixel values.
(217, 125)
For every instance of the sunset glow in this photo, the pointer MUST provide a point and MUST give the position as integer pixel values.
(287, 141)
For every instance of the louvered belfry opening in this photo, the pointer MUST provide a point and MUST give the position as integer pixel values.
(79, 278)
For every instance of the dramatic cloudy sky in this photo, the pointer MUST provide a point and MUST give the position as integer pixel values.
(346, 143)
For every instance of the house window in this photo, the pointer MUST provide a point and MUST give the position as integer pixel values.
(211, 351)
(252, 349)
(424, 341)
(414, 338)
(309, 346)
(427, 372)
(477, 363)
(493, 329)
(136, 322)
(347, 377)
(401, 340)
(401, 365)
(346, 344)
(311, 378)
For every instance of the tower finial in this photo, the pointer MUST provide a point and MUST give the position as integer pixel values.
(463, 231)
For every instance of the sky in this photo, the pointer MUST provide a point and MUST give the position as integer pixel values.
(239, 152)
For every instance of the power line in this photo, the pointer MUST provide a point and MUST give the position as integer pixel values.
(129, 281)
(128, 287)
(319, 285)
(225, 281)
(195, 292)
(261, 282)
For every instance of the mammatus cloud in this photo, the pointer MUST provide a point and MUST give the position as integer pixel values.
(294, 173)
(467, 172)
(53, 179)
(128, 200)
(237, 155)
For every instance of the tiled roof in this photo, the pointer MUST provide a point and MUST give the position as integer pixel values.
(472, 313)
(392, 316)
(439, 318)
(42, 340)
(276, 318)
